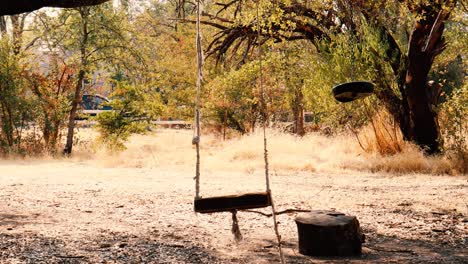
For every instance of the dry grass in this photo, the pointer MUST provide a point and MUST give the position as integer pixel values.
(382, 135)
(287, 153)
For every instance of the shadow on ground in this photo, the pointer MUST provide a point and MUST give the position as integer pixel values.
(104, 248)
(383, 249)
(151, 247)
(109, 247)
(13, 220)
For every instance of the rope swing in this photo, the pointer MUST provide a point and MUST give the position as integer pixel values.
(265, 142)
(232, 203)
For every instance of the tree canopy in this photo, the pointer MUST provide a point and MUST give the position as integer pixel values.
(22, 6)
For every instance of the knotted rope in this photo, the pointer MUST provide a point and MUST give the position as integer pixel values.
(197, 132)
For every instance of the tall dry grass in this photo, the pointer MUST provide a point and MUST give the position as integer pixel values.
(287, 154)
(382, 135)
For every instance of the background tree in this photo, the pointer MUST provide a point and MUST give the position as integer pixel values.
(96, 35)
(15, 110)
(413, 101)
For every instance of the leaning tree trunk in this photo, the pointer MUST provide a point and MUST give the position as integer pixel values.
(84, 13)
(426, 43)
(71, 121)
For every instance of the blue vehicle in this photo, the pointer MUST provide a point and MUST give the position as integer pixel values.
(94, 104)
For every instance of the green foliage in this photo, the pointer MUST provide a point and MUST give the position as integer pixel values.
(133, 109)
(16, 108)
(232, 100)
(167, 49)
(345, 60)
(154, 55)
(454, 126)
(51, 95)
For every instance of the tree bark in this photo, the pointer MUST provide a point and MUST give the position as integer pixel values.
(2, 26)
(329, 233)
(74, 109)
(425, 44)
(17, 22)
(416, 110)
(298, 112)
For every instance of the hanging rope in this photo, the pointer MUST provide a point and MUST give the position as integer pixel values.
(352, 39)
(265, 143)
(235, 230)
(197, 132)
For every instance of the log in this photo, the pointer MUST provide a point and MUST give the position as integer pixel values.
(329, 233)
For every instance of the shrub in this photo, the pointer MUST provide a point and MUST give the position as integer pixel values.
(133, 109)
(16, 107)
(52, 96)
(454, 127)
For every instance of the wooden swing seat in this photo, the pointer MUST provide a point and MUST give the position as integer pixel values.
(232, 202)
(350, 91)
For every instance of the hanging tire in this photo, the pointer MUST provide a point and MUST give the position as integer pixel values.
(350, 91)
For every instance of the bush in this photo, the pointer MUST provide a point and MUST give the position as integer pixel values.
(133, 109)
(52, 97)
(454, 127)
(382, 135)
(16, 107)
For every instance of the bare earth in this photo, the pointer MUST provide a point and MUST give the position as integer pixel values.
(83, 210)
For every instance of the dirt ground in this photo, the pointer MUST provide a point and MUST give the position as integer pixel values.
(120, 210)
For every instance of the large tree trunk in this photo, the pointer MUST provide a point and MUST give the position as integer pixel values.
(425, 44)
(424, 129)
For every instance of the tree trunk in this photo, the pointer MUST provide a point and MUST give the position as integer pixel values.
(17, 22)
(2, 26)
(425, 44)
(84, 12)
(298, 112)
(74, 109)
(329, 233)
(424, 129)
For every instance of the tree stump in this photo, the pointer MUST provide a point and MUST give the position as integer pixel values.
(329, 233)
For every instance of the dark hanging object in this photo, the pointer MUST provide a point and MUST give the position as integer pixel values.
(230, 203)
(350, 91)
